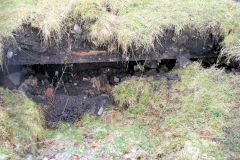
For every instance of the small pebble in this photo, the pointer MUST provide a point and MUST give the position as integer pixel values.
(85, 79)
(100, 111)
(116, 79)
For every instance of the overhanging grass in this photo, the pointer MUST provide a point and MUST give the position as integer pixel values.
(123, 23)
(21, 125)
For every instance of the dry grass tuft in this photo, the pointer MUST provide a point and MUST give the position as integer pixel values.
(124, 23)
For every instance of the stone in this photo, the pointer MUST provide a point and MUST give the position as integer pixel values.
(85, 79)
(9, 54)
(15, 78)
(116, 79)
(77, 29)
(152, 64)
(23, 87)
(172, 77)
(100, 111)
(163, 69)
(151, 72)
(56, 73)
(75, 84)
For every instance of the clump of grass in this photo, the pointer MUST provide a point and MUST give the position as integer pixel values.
(191, 113)
(21, 125)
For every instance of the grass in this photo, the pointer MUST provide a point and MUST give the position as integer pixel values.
(20, 126)
(194, 118)
(126, 23)
(191, 116)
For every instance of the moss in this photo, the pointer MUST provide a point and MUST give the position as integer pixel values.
(21, 125)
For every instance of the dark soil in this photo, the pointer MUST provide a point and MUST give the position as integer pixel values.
(80, 88)
(27, 47)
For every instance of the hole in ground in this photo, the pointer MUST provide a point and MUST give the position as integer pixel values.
(67, 92)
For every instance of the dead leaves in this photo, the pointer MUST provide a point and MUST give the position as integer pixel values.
(10, 132)
(49, 92)
(78, 123)
(75, 157)
(48, 144)
(205, 136)
(95, 144)
(76, 144)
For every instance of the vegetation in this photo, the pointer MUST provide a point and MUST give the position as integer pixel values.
(21, 125)
(196, 117)
(125, 23)
(190, 116)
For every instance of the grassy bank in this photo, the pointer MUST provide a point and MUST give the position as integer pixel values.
(124, 23)
(21, 126)
(196, 117)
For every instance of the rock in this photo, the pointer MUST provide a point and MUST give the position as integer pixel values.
(31, 81)
(125, 78)
(15, 78)
(138, 73)
(158, 77)
(100, 111)
(163, 69)
(116, 79)
(75, 84)
(56, 73)
(9, 54)
(23, 87)
(172, 77)
(151, 72)
(152, 64)
(182, 61)
(77, 29)
(100, 81)
(46, 82)
(140, 17)
(85, 79)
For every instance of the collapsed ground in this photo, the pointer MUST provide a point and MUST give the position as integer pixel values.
(190, 113)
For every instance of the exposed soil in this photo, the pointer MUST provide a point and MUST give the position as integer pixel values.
(67, 92)
(27, 47)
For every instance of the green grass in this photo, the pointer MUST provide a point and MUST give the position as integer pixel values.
(194, 118)
(21, 126)
(188, 120)
(129, 23)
